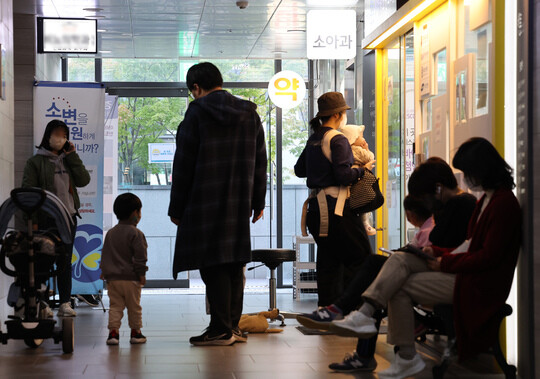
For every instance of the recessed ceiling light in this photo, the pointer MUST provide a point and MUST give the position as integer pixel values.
(102, 30)
(93, 9)
(278, 51)
(105, 51)
(126, 34)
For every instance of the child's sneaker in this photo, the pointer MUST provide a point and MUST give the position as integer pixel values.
(137, 337)
(370, 230)
(113, 338)
(65, 310)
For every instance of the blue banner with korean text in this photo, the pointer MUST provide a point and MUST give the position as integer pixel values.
(81, 106)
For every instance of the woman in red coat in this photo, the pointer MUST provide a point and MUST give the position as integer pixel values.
(485, 272)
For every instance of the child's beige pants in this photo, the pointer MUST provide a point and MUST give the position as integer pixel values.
(124, 294)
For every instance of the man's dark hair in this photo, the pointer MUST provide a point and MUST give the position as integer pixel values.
(416, 206)
(49, 129)
(482, 165)
(125, 204)
(206, 75)
(427, 175)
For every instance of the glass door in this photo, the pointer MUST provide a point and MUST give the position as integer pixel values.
(392, 135)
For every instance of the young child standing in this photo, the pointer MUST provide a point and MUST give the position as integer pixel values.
(123, 266)
(362, 156)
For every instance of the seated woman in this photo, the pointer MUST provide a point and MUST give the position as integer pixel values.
(476, 278)
(435, 184)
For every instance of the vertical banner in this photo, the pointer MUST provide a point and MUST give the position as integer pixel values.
(110, 171)
(81, 107)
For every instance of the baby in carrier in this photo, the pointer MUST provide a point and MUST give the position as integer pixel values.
(362, 155)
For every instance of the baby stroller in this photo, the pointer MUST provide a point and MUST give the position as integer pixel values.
(33, 255)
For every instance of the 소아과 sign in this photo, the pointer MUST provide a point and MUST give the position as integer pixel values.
(331, 34)
(161, 152)
(287, 89)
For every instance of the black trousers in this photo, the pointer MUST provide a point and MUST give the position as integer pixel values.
(352, 296)
(225, 292)
(63, 278)
(340, 254)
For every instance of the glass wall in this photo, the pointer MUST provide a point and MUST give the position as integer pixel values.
(146, 119)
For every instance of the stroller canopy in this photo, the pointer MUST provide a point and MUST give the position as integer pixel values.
(27, 198)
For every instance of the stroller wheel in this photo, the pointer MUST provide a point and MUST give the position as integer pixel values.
(33, 343)
(68, 336)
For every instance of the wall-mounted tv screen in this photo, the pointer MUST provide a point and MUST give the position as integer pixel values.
(66, 35)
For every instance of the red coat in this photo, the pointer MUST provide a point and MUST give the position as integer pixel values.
(485, 272)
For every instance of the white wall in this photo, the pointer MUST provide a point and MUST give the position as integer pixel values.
(6, 129)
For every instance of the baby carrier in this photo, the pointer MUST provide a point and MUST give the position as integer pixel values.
(33, 255)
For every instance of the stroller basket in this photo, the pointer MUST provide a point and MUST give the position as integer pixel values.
(47, 248)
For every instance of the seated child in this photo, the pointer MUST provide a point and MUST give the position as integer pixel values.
(362, 156)
(418, 215)
(123, 266)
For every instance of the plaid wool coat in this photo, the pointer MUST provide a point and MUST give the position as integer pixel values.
(218, 179)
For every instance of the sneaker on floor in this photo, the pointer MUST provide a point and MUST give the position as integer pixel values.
(403, 368)
(319, 319)
(352, 363)
(137, 337)
(65, 310)
(355, 324)
(209, 338)
(114, 338)
(238, 335)
(88, 299)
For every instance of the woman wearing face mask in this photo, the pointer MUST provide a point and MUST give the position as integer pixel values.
(342, 242)
(475, 277)
(57, 168)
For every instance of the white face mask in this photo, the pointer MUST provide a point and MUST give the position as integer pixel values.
(57, 143)
(343, 120)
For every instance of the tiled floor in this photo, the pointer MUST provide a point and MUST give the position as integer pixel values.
(170, 319)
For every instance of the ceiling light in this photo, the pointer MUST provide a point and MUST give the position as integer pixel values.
(93, 9)
(398, 25)
(105, 51)
(296, 30)
(102, 30)
(278, 51)
(95, 16)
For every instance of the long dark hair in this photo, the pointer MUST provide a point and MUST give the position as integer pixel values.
(49, 129)
(482, 165)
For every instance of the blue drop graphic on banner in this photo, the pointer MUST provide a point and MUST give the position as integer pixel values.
(87, 253)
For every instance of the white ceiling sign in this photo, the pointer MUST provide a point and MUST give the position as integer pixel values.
(287, 89)
(331, 34)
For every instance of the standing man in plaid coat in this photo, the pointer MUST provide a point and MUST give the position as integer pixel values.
(218, 183)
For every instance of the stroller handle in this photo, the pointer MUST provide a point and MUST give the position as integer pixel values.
(31, 206)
